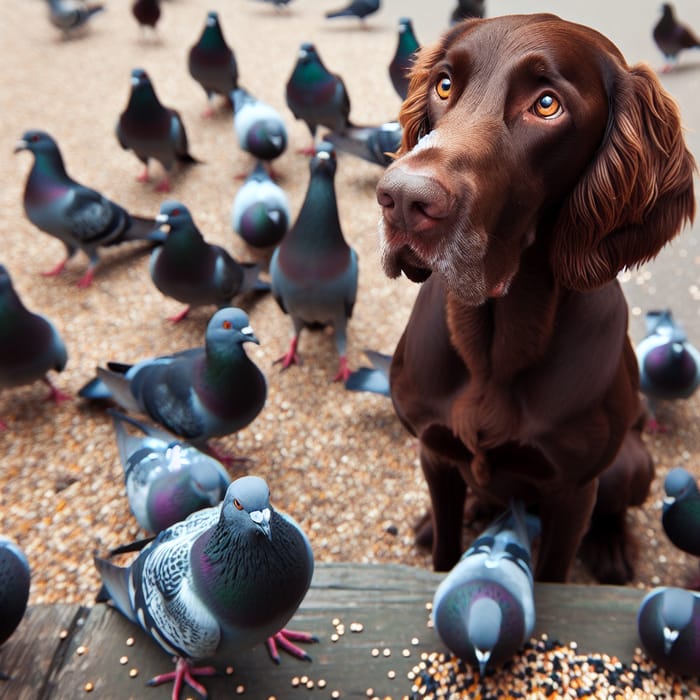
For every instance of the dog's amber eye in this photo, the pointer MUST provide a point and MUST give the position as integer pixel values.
(547, 106)
(443, 87)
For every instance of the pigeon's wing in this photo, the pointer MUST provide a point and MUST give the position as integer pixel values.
(92, 218)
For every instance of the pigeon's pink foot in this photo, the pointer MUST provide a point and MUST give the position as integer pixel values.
(290, 357)
(143, 177)
(655, 428)
(285, 639)
(208, 113)
(56, 395)
(309, 150)
(163, 185)
(184, 673)
(343, 371)
(86, 280)
(55, 270)
(178, 317)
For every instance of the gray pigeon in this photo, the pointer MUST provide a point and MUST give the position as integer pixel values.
(212, 63)
(225, 579)
(151, 130)
(357, 8)
(375, 144)
(672, 37)
(260, 213)
(484, 609)
(259, 128)
(198, 393)
(404, 56)
(69, 15)
(195, 272)
(30, 345)
(668, 624)
(669, 365)
(165, 479)
(468, 9)
(680, 516)
(80, 217)
(314, 271)
(316, 95)
(374, 379)
(15, 580)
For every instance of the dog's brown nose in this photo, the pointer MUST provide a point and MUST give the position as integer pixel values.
(411, 201)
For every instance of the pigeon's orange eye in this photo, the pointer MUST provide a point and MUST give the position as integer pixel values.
(227, 325)
(175, 212)
(443, 87)
(547, 106)
(237, 504)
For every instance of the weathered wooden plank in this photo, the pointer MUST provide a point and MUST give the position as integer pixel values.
(388, 601)
(29, 655)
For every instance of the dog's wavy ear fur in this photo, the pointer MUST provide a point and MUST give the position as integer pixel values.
(637, 193)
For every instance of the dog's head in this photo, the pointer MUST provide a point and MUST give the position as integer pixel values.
(523, 129)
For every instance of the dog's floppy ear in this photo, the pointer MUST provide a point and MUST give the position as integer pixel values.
(413, 116)
(636, 194)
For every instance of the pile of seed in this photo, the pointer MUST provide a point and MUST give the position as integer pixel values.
(548, 669)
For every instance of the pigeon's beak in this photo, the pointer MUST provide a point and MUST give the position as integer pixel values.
(162, 220)
(482, 657)
(21, 145)
(262, 519)
(247, 331)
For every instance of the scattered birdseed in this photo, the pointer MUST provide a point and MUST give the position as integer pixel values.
(391, 674)
(547, 669)
(334, 637)
(405, 652)
(130, 642)
(295, 682)
(356, 627)
(310, 684)
(133, 672)
(335, 694)
(304, 680)
(63, 634)
(80, 650)
(335, 621)
(369, 692)
(229, 670)
(89, 687)
(386, 652)
(414, 641)
(375, 652)
(123, 660)
(321, 683)
(240, 689)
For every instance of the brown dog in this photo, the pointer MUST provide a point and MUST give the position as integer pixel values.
(535, 165)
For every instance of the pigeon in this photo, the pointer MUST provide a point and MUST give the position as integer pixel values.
(69, 15)
(223, 580)
(259, 128)
(484, 610)
(198, 393)
(80, 217)
(146, 13)
(681, 511)
(404, 56)
(15, 579)
(195, 272)
(30, 345)
(166, 479)
(668, 625)
(316, 96)
(669, 364)
(373, 379)
(467, 9)
(672, 37)
(375, 144)
(314, 271)
(278, 3)
(356, 8)
(260, 214)
(152, 131)
(211, 62)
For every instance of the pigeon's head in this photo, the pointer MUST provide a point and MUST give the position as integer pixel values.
(678, 484)
(35, 141)
(405, 24)
(307, 53)
(229, 326)
(212, 18)
(247, 504)
(324, 160)
(140, 80)
(172, 214)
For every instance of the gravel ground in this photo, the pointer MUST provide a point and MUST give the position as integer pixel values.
(340, 463)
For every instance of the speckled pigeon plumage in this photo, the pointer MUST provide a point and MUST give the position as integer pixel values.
(668, 624)
(151, 130)
(672, 37)
(30, 345)
(211, 61)
(669, 365)
(194, 272)
(15, 581)
(374, 379)
(467, 9)
(198, 393)
(80, 217)
(316, 95)
(165, 479)
(69, 15)
(681, 510)
(260, 213)
(375, 144)
(403, 58)
(356, 8)
(225, 579)
(483, 609)
(314, 271)
(259, 128)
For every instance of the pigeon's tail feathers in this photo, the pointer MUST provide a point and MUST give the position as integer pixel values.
(119, 387)
(368, 379)
(95, 390)
(143, 229)
(526, 526)
(347, 12)
(94, 9)
(188, 159)
(115, 586)
(251, 278)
